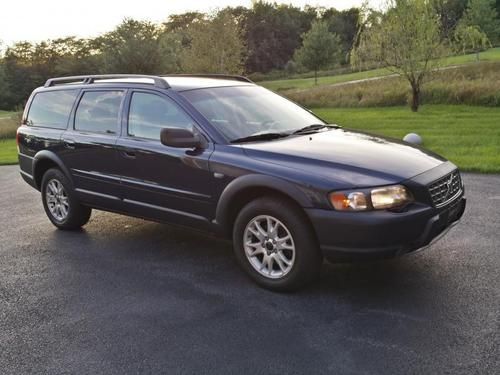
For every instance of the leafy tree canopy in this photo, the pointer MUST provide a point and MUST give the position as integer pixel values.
(483, 14)
(470, 38)
(216, 46)
(320, 48)
(407, 40)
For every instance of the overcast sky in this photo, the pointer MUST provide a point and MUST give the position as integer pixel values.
(36, 20)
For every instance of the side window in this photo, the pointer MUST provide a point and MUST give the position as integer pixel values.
(150, 113)
(98, 111)
(51, 109)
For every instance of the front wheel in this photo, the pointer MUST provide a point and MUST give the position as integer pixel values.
(275, 245)
(60, 203)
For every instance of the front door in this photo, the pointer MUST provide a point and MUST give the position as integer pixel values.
(158, 181)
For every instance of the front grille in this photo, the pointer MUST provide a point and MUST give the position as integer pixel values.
(446, 188)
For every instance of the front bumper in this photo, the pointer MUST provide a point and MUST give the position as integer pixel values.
(382, 234)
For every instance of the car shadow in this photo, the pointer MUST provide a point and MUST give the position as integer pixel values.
(203, 254)
(167, 279)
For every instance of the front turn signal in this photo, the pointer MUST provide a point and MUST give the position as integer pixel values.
(349, 201)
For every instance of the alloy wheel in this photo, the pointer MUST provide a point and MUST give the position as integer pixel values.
(269, 246)
(57, 200)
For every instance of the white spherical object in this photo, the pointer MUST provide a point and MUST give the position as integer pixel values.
(413, 138)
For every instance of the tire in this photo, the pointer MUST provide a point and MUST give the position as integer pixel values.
(60, 203)
(264, 258)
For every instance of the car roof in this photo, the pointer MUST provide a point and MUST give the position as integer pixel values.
(180, 83)
(177, 82)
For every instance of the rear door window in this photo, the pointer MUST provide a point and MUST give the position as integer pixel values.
(51, 109)
(99, 111)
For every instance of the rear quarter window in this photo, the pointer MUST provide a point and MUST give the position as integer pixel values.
(51, 109)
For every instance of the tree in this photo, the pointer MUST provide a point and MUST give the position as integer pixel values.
(320, 48)
(75, 56)
(406, 41)
(133, 47)
(482, 13)
(170, 49)
(471, 38)
(25, 66)
(272, 33)
(449, 12)
(345, 25)
(179, 24)
(216, 46)
(3, 88)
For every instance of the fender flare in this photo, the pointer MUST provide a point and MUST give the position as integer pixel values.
(49, 155)
(256, 181)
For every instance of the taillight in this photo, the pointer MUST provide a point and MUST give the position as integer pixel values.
(17, 138)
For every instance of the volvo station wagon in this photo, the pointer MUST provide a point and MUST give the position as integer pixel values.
(221, 154)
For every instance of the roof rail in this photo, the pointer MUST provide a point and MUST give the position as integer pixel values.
(213, 75)
(89, 79)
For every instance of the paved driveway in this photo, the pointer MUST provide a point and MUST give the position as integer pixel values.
(129, 296)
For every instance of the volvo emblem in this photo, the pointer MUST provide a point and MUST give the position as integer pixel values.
(448, 186)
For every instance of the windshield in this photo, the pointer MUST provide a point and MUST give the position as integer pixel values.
(243, 111)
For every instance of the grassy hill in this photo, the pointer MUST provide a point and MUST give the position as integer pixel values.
(9, 121)
(471, 84)
(5, 114)
(468, 135)
(492, 54)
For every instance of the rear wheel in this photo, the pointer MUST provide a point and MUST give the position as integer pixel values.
(60, 203)
(275, 245)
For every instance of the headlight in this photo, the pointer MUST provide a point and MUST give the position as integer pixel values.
(390, 196)
(366, 199)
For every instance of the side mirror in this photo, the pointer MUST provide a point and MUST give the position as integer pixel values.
(180, 138)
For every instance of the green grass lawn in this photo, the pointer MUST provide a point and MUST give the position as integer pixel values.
(492, 54)
(5, 113)
(468, 136)
(304, 83)
(8, 151)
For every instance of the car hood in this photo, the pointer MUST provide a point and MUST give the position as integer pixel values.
(348, 157)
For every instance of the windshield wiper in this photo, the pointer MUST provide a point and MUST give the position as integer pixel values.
(314, 127)
(260, 137)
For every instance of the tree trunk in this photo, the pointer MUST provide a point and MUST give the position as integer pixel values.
(221, 61)
(415, 97)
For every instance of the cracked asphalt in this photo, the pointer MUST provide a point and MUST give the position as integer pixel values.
(129, 296)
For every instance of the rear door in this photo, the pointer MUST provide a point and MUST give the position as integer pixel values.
(46, 118)
(168, 183)
(89, 145)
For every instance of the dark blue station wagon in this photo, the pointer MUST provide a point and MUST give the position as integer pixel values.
(222, 154)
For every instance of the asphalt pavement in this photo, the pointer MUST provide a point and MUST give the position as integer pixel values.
(130, 296)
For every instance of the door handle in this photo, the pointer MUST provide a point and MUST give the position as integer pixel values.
(68, 143)
(129, 154)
